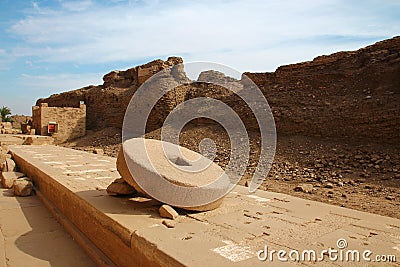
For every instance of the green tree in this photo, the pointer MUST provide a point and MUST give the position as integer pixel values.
(5, 113)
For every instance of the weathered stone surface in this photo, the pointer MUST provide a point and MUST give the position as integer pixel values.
(306, 188)
(114, 95)
(162, 175)
(6, 125)
(9, 165)
(168, 212)
(36, 140)
(22, 187)
(8, 178)
(302, 96)
(71, 121)
(120, 187)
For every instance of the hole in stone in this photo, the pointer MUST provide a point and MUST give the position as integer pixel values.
(180, 162)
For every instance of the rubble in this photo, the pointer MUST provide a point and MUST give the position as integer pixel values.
(120, 188)
(168, 212)
(8, 178)
(22, 187)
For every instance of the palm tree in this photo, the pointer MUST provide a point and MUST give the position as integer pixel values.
(5, 112)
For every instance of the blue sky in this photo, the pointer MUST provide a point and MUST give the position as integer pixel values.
(48, 47)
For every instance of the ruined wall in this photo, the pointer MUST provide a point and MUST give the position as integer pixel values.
(71, 121)
(106, 104)
(352, 95)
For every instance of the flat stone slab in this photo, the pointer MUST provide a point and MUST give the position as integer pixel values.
(21, 139)
(131, 231)
(30, 236)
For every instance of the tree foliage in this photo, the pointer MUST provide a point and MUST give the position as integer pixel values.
(5, 113)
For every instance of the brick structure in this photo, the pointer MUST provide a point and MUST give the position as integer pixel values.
(351, 95)
(70, 121)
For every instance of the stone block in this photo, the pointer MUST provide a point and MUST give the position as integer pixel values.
(8, 178)
(120, 187)
(22, 187)
(9, 165)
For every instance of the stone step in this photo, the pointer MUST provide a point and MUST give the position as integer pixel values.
(130, 231)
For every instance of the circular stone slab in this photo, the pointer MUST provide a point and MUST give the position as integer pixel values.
(172, 174)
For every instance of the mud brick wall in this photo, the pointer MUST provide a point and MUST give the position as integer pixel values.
(71, 121)
(352, 95)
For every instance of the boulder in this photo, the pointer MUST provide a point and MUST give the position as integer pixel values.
(22, 187)
(8, 178)
(189, 181)
(120, 187)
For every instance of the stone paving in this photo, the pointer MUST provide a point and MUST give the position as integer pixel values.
(131, 232)
(30, 236)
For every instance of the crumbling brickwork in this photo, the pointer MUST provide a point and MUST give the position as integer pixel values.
(352, 95)
(71, 121)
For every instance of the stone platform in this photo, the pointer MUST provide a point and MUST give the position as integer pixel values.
(130, 232)
(23, 139)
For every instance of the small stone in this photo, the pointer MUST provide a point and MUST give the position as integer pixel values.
(98, 151)
(306, 188)
(8, 178)
(390, 197)
(167, 211)
(329, 185)
(22, 187)
(120, 187)
(340, 184)
(169, 224)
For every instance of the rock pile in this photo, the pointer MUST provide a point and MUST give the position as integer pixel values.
(7, 128)
(10, 178)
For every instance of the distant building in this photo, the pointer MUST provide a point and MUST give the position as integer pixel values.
(63, 123)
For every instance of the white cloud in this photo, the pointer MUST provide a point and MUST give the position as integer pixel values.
(241, 29)
(2, 52)
(76, 5)
(50, 84)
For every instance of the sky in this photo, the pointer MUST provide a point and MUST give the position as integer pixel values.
(48, 47)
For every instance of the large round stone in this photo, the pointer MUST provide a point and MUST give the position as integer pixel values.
(172, 174)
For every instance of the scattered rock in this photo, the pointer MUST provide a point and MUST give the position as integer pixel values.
(390, 197)
(167, 211)
(329, 185)
(8, 178)
(306, 188)
(169, 224)
(22, 187)
(120, 188)
(98, 151)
